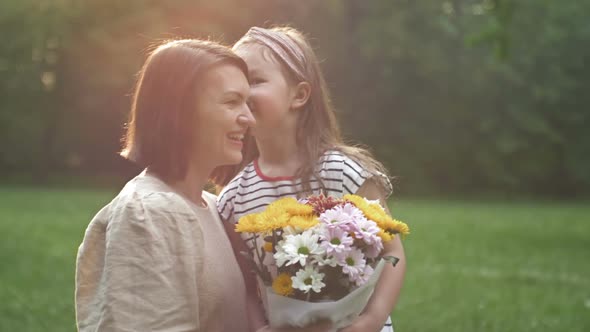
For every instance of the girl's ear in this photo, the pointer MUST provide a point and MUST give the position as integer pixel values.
(301, 93)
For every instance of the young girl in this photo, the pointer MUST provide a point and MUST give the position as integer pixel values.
(295, 149)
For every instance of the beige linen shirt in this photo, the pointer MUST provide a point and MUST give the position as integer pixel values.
(153, 261)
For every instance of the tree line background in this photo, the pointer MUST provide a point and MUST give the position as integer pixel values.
(458, 97)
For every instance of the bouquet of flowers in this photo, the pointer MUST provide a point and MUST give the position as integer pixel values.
(319, 257)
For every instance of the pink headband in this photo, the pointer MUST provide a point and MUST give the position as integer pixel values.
(283, 47)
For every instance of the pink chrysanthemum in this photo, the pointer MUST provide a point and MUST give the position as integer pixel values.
(335, 240)
(364, 276)
(353, 263)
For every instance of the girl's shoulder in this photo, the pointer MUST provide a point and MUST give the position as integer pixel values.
(350, 172)
(340, 174)
(338, 161)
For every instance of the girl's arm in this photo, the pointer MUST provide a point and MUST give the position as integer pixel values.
(390, 282)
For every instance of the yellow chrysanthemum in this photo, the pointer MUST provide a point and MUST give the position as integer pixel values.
(356, 200)
(380, 218)
(371, 211)
(399, 227)
(385, 236)
(303, 222)
(263, 222)
(248, 224)
(376, 213)
(290, 206)
(278, 214)
(392, 227)
(271, 220)
(298, 209)
(387, 223)
(283, 285)
(268, 247)
(280, 205)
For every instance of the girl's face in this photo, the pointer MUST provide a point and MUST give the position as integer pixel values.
(222, 116)
(271, 93)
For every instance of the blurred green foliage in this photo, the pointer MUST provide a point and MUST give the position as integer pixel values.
(462, 96)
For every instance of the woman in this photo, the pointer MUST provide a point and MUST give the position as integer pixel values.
(157, 258)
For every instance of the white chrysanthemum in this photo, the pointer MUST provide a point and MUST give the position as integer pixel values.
(325, 260)
(372, 201)
(298, 248)
(290, 230)
(308, 279)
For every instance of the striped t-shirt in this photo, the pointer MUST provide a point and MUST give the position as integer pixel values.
(251, 191)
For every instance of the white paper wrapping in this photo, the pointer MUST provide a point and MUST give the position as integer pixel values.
(285, 311)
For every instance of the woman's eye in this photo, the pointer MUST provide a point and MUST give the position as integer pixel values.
(232, 102)
(256, 81)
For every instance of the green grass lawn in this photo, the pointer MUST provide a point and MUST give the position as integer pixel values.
(472, 266)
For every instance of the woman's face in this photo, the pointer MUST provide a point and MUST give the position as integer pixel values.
(222, 116)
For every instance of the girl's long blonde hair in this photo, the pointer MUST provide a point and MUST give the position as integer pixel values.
(317, 126)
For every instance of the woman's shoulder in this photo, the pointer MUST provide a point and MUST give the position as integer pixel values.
(146, 196)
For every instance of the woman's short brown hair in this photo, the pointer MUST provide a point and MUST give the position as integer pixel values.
(160, 130)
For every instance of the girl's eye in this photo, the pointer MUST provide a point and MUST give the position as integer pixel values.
(256, 81)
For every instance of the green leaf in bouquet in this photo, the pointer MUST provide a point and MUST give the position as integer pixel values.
(392, 259)
(262, 256)
(264, 275)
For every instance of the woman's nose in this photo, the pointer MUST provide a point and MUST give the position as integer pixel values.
(246, 118)
(249, 104)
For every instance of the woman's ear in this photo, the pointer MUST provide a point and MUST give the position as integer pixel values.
(301, 93)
